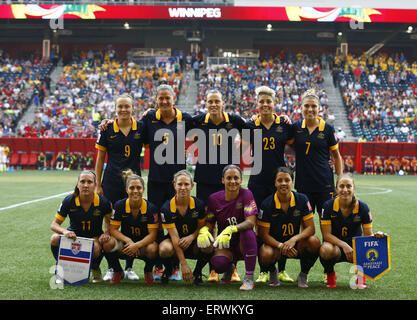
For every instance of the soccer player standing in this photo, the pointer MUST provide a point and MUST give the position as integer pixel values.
(122, 142)
(315, 142)
(276, 132)
(220, 131)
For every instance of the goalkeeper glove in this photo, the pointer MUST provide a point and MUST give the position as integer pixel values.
(204, 237)
(223, 240)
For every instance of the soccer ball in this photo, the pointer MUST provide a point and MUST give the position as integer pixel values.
(400, 173)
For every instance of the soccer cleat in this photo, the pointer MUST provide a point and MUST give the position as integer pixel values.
(157, 273)
(235, 276)
(302, 280)
(131, 275)
(361, 282)
(227, 276)
(109, 275)
(263, 277)
(213, 277)
(165, 277)
(274, 279)
(176, 275)
(117, 277)
(324, 278)
(284, 277)
(248, 284)
(96, 275)
(331, 280)
(198, 279)
(149, 279)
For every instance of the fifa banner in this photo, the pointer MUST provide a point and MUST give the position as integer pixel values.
(371, 256)
(74, 260)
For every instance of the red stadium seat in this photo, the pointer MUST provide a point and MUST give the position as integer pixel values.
(14, 159)
(24, 159)
(28, 160)
(33, 158)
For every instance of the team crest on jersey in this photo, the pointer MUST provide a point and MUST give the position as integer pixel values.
(76, 247)
(143, 219)
(194, 214)
(309, 206)
(357, 218)
(229, 125)
(320, 135)
(279, 129)
(239, 205)
(296, 213)
(96, 212)
(136, 136)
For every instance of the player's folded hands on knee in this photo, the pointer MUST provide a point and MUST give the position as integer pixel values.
(223, 239)
(204, 238)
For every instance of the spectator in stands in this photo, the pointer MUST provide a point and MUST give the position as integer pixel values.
(196, 67)
(341, 135)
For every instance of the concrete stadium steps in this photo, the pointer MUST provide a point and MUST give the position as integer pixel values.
(336, 106)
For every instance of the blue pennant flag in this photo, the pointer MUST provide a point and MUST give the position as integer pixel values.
(371, 256)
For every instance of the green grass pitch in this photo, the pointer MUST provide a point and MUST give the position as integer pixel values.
(26, 258)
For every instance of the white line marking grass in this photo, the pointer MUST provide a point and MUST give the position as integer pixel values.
(36, 200)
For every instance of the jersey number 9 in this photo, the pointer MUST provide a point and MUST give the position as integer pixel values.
(127, 151)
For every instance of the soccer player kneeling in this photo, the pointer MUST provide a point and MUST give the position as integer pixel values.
(280, 219)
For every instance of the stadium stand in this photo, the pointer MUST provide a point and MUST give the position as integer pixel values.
(86, 91)
(380, 95)
(289, 74)
(22, 80)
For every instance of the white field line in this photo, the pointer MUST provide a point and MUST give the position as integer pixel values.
(36, 200)
(46, 198)
(379, 190)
